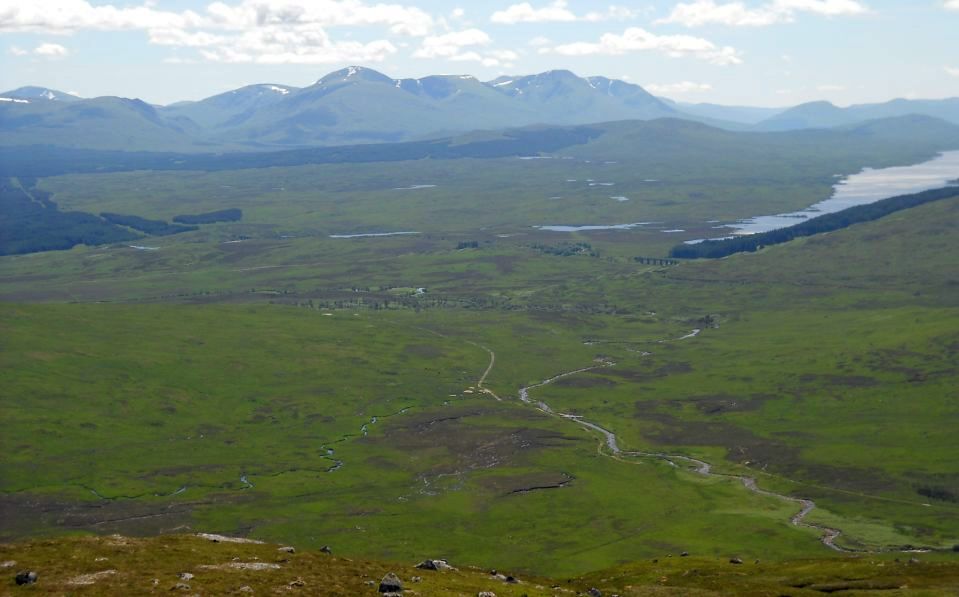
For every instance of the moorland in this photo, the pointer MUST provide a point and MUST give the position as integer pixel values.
(476, 347)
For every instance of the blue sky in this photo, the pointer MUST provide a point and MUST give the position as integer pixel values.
(746, 52)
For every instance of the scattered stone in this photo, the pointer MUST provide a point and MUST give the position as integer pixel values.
(245, 589)
(486, 594)
(493, 572)
(914, 561)
(434, 565)
(299, 582)
(326, 549)
(100, 560)
(735, 560)
(185, 576)
(180, 586)
(225, 539)
(257, 566)
(511, 580)
(370, 582)
(416, 579)
(89, 579)
(8, 564)
(287, 549)
(27, 577)
(391, 584)
(594, 592)
(685, 554)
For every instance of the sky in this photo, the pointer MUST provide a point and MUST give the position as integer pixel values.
(740, 52)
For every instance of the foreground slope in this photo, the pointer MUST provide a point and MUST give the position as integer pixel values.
(118, 565)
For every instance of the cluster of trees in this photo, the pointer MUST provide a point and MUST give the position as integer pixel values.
(938, 493)
(655, 261)
(714, 249)
(567, 249)
(154, 227)
(31, 222)
(211, 217)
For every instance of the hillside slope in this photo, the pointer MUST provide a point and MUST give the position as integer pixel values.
(210, 564)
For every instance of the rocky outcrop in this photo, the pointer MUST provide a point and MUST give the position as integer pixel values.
(391, 584)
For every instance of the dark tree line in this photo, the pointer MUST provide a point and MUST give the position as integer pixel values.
(153, 227)
(567, 249)
(211, 217)
(43, 161)
(655, 261)
(31, 222)
(714, 249)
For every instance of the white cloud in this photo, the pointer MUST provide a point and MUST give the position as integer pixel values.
(67, 16)
(463, 46)
(557, 12)
(49, 50)
(635, 39)
(245, 31)
(681, 88)
(831, 88)
(539, 42)
(401, 20)
(16, 51)
(951, 4)
(184, 39)
(952, 71)
(737, 14)
(279, 46)
(451, 44)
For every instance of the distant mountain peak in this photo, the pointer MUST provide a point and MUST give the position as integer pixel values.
(32, 93)
(355, 73)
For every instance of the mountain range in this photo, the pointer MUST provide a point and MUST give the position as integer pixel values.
(358, 105)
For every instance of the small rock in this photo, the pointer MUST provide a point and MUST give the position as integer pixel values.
(511, 580)
(27, 577)
(486, 594)
(735, 560)
(370, 583)
(391, 584)
(594, 592)
(434, 565)
(245, 589)
(287, 549)
(8, 564)
(185, 576)
(416, 579)
(914, 561)
(326, 549)
(493, 572)
(299, 582)
(685, 554)
(100, 560)
(180, 586)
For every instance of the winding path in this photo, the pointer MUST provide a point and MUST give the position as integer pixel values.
(828, 535)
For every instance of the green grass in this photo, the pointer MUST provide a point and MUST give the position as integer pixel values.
(117, 565)
(825, 368)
